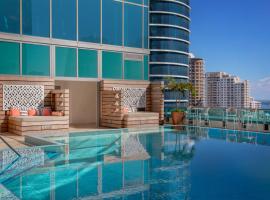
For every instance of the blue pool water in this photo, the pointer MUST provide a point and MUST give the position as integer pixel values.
(163, 163)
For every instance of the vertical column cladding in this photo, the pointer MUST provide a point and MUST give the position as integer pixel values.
(169, 43)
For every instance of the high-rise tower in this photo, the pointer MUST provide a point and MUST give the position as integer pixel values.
(169, 43)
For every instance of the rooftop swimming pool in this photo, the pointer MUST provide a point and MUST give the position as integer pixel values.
(159, 163)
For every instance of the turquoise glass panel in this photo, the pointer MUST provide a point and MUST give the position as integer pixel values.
(112, 22)
(146, 28)
(64, 19)
(37, 183)
(112, 173)
(89, 24)
(88, 63)
(112, 65)
(146, 2)
(36, 17)
(133, 70)
(66, 182)
(135, 1)
(10, 16)
(146, 68)
(9, 58)
(133, 26)
(65, 62)
(88, 175)
(35, 60)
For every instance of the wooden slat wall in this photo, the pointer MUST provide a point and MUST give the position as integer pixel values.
(110, 101)
(60, 101)
(15, 80)
(157, 99)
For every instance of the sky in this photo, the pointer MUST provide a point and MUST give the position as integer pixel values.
(234, 36)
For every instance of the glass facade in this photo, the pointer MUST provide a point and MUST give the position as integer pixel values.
(112, 22)
(9, 58)
(35, 60)
(65, 62)
(112, 65)
(133, 70)
(69, 38)
(36, 18)
(64, 19)
(169, 43)
(133, 26)
(10, 16)
(89, 24)
(87, 63)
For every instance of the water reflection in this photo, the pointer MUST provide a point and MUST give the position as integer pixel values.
(122, 164)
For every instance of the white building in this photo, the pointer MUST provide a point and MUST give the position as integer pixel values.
(227, 91)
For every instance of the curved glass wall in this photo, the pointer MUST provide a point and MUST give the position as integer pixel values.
(163, 31)
(169, 69)
(158, 18)
(168, 6)
(169, 43)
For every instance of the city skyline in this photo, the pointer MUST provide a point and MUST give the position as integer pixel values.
(228, 43)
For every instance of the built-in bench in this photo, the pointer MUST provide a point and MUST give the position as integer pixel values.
(25, 125)
(141, 119)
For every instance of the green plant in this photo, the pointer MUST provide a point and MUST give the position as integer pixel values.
(180, 89)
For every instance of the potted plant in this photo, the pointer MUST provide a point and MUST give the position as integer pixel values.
(180, 89)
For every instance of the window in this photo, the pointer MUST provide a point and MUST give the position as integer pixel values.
(135, 1)
(89, 24)
(10, 16)
(112, 66)
(88, 63)
(112, 22)
(35, 60)
(146, 28)
(65, 62)
(146, 68)
(64, 19)
(133, 70)
(36, 17)
(9, 58)
(133, 25)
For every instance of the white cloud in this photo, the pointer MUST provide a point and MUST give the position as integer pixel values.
(261, 89)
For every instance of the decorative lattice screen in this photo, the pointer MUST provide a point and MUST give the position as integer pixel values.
(23, 96)
(133, 98)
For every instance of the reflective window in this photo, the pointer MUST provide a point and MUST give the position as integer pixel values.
(89, 24)
(133, 25)
(112, 65)
(146, 67)
(9, 58)
(170, 7)
(65, 62)
(169, 32)
(169, 57)
(35, 60)
(10, 16)
(169, 19)
(169, 44)
(88, 63)
(64, 19)
(133, 70)
(135, 1)
(36, 17)
(169, 70)
(146, 28)
(112, 22)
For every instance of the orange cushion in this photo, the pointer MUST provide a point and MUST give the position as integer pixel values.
(14, 112)
(32, 112)
(46, 112)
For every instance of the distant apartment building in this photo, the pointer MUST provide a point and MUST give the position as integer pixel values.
(227, 91)
(197, 78)
(255, 104)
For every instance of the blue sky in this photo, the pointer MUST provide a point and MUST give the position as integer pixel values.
(234, 36)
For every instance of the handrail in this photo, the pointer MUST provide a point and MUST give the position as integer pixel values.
(16, 152)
